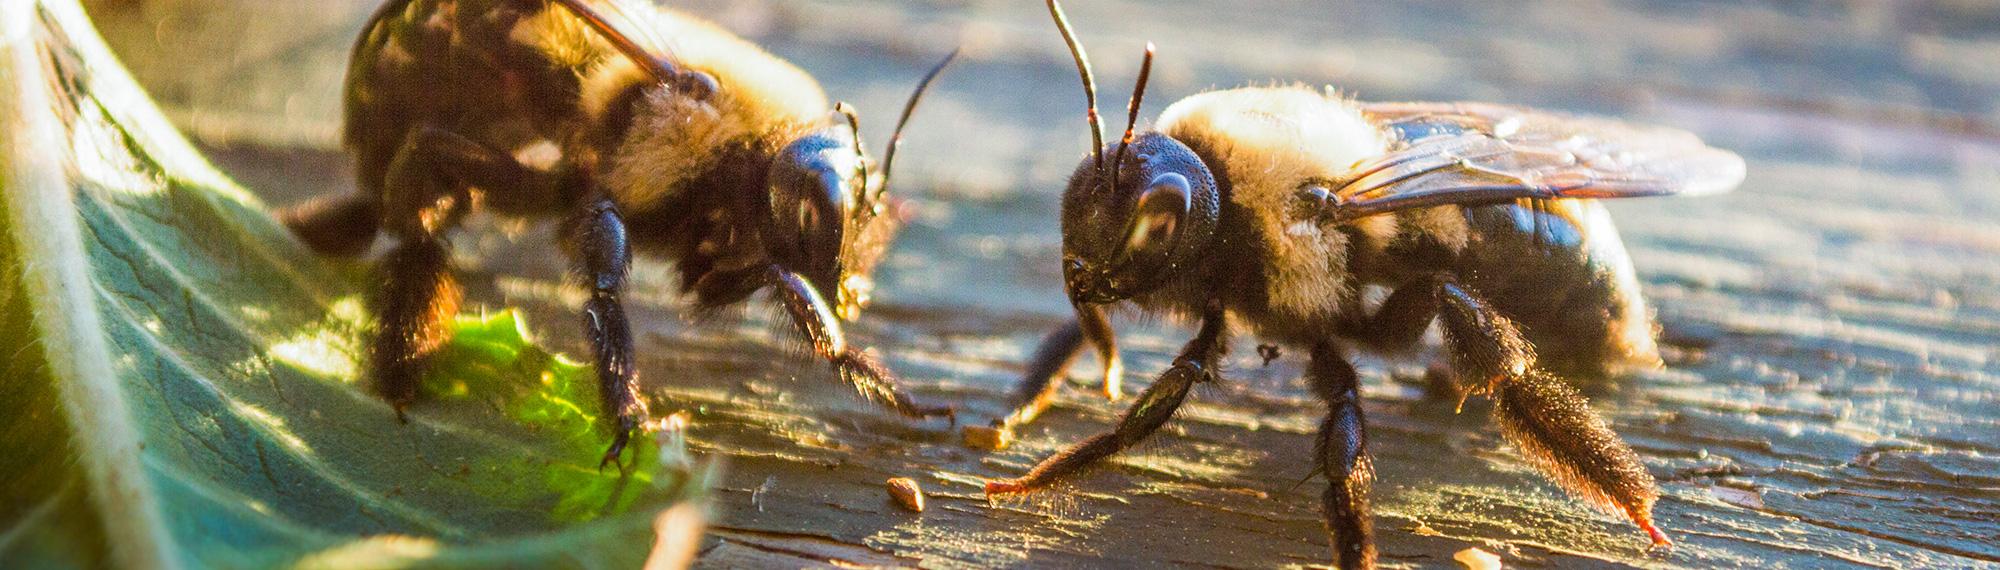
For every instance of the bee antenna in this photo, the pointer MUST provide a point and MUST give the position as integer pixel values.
(1089, 81)
(854, 128)
(1132, 111)
(910, 108)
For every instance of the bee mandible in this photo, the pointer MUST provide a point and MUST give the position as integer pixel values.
(1274, 209)
(644, 130)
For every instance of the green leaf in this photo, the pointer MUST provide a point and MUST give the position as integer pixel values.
(180, 380)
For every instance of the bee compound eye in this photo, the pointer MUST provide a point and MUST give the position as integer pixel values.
(1158, 214)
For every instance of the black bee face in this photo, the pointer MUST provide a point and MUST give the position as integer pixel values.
(813, 181)
(827, 223)
(1133, 224)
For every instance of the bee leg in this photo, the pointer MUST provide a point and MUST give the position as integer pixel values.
(424, 192)
(1197, 362)
(1401, 320)
(822, 331)
(414, 302)
(1400, 323)
(1096, 329)
(417, 295)
(1039, 386)
(1547, 419)
(340, 226)
(1342, 450)
(601, 257)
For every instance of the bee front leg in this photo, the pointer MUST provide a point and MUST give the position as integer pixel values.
(595, 239)
(1039, 386)
(1342, 450)
(1197, 362)
(816, 322)
(1547, 419)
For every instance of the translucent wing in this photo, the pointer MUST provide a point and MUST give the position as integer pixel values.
(1480, 153)
(620, 25)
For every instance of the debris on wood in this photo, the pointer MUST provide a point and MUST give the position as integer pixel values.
(1476, 559)
(907, 493)
(988, 437)
(757, 496)
(1746, 498)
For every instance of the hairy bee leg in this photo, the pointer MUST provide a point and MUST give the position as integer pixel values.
(417, 294)
(1038, 387)
(414, 302)
(1342, 450)
(601, 256)
(343, 226)
(1401, 320)
(1197, 362)
(424, 191)
(1548, 420)
(816, 321)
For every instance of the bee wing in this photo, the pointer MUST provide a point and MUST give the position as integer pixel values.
(620, 25)
(1479, 153)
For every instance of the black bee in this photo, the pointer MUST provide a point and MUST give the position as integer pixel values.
(1272, 208)
(643, 129)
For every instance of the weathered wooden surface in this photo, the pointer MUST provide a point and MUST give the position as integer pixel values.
(1834, 385)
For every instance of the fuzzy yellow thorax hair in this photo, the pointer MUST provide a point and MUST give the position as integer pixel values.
(1270, 141)
(758, 96)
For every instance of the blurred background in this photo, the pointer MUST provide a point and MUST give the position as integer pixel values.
(1833, 327)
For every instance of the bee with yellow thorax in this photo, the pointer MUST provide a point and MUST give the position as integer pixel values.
(643, 129)
(1273, 209)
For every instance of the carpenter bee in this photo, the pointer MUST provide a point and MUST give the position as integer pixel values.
(643, 129)
(1274, 208)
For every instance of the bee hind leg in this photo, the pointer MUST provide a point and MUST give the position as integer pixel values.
(1400, 324)
(343, 226)
(425, 191)
(1343, 456)
(1197, 362)
(416, 293)
(1549, 421)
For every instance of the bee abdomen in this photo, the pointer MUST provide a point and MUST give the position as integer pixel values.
(1561, 271)
(458, 65)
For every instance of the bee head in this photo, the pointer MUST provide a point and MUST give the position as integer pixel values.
(833, 221)
(1132, 221)
(1128, 227)
(820, 204)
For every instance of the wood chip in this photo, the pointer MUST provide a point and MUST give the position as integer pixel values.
(907, 493)
(1476, 559)
(987, 437)
(1746, 498)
